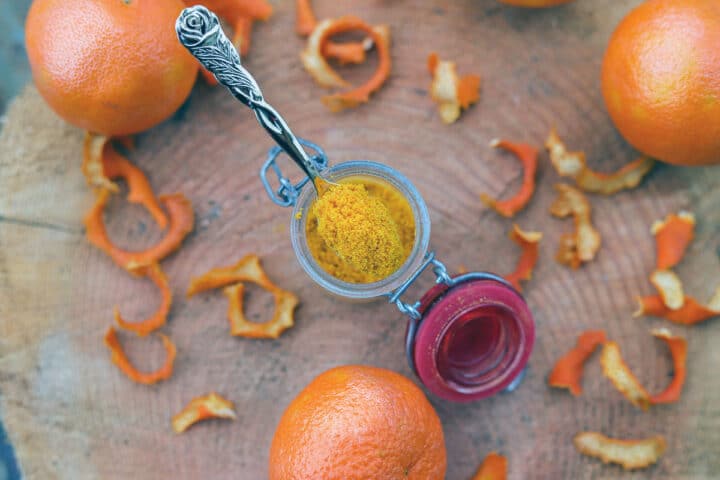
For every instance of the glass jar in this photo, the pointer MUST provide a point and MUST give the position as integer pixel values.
(468, 338)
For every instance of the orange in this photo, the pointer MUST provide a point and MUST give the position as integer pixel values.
(354, 423)
(113, 67)
(661, 80)
(535, 3)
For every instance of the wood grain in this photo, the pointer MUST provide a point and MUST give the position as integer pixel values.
(71, 415)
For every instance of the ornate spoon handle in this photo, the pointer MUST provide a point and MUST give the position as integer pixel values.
(198, 29)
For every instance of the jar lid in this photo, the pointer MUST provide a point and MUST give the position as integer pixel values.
(473, 338)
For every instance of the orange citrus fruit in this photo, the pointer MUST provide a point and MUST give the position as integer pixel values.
(661, 80)
(113, 67)
(354, 423)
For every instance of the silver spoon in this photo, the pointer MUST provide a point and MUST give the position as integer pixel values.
(199, 30)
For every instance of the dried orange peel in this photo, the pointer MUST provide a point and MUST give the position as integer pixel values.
(240, 326)
(248, 269)
(181, 223)
(678, 351)
(690, 313)
(528, 242)
(574, 165)
(582, 245)
(670, 288)
(452, 93)
(615, 369)
(118, 357)
(672, 237)
(630, 454)
(568, 371)
(92, 165)
(528, 158)
(315, 63)
(157, 319)
(494, 467)
(201, 408)
(305, 23)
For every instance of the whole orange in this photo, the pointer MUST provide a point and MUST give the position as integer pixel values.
(661, 80)
(356, 422)
(113, 67)
(535, 3)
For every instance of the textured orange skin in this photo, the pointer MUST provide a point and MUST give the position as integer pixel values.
(661, 80)
(535, 3)
(356, 422)
(109, 66)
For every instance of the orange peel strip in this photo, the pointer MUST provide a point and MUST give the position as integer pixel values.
(201, 408)
(630, 454)
(672, 237)
(305, 23)
(92, 165)
(615, 368)
(690, 313)
(678, 351)
(139, 189)
(248, 269)
(452, 93)
(181, 223)
(574, 165)
(583, 244)
(118, 357)
(670, 288)
(321, 71)
(568, 370)
(158, 319)
(240, 326)
(494, 467)
(528, 242)
(529, 158)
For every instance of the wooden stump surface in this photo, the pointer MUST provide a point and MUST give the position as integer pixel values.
(70, 414)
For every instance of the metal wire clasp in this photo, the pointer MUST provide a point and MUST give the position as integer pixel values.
(287, 194)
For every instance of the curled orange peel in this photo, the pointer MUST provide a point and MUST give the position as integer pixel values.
(630, 454)
(494, 467)
(305, 23)
(582, 245)
(282, 319)
(670, 288)
(529, 159)
(201, 408)
(118, 357)
(248, 269)
(568, 370)
(673, 234)
(157, 319)
(690, 313)
(678, 351)
(315, 63)
(451, 92)
(615, 369)
(181, 223)
(528, 242)
(574, 165)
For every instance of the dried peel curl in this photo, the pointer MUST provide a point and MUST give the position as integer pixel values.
(528, 158)
(315, 63)
(615, 369)
(582, 245)
(201, 408)
(630, 454)
(181, 223)
(247, 269)
(118, 357)
(672, 235)
(574, 165)
(157, 319)
(678, 350)
(452, 93)
(102, 163)
(568, 370)
(282, 319)
(670, 288)
(494, 467)
(690, 313)
(528, 242)
(352, 52)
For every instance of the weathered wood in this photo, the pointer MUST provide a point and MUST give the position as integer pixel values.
(71, 415)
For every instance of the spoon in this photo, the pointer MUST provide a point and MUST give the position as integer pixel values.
(199, 30)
